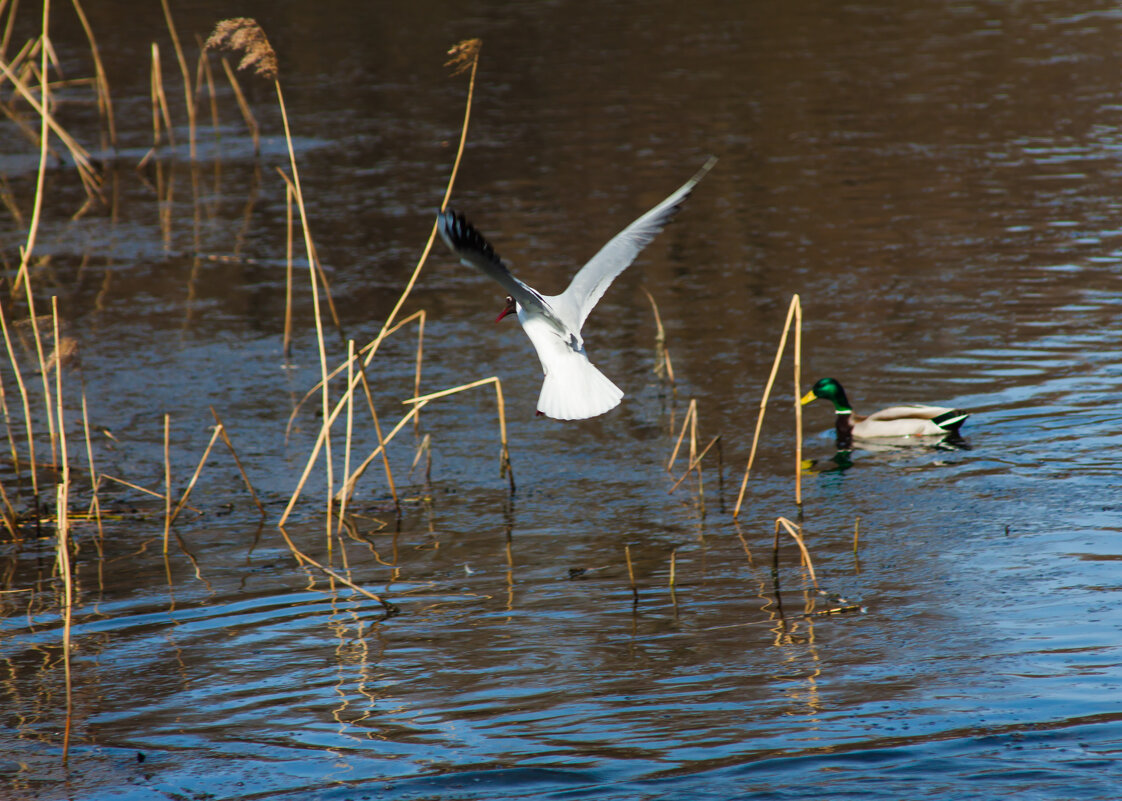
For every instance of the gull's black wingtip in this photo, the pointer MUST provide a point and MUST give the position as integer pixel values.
(460, 235)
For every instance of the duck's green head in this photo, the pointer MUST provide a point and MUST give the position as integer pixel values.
(829, 389)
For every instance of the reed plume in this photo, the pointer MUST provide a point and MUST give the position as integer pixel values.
(243, 35)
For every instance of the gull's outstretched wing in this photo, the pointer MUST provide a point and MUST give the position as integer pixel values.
(589, 285)
(475, 251)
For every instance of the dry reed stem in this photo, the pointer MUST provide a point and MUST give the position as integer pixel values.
(798, 401)
(58, 398)
(104, 101)
(793, 530)
(167, 480)
(350, 481)
(77, 152)
(417, 372)
(463, 52)
(247, 113)
(68, 611)
(319, 271)
(95, 481)
(856, 530)
(367, 351)
(8, 426)
(662, 355)
(25, 252)
(43, 374)
(237, 461)
(691, 413)
(9, 516)
(195, 476)
(26, 408)
(160, 100)
(411, 282)
(207, 74)
(188, 94)
(289, 193)
(312, 264)
(631, 573)
(348, 484)
(695, 463)
(145, 490)
(505, 466)
(381, 443)
(8, 27)
(303, 558)
(763, 405)
(61, 512)
(424, 448)
(350, 431)
(673, 562)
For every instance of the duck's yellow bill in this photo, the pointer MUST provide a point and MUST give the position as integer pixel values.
(808, 397)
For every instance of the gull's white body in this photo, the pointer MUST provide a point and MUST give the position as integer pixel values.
(573, 388)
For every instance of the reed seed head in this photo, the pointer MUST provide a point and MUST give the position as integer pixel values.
(243, 35)
(464, 55)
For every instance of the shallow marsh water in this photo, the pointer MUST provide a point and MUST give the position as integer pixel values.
(940, 184)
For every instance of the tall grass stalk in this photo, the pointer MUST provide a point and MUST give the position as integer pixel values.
(23, 277)
(167, 480)
(367, 352)
(158, 495)
(794, 530)
(247, 113)
(159, 101)
(8, 513)
(505, 467)
(195, 476)
(695, 464)
(77, 152)
(350, 432)
(104, 100)
(95, 480)
(631, 574)
(662, 367)
(62, 510)
(691, 412)
(794, 307)
(8, 427)
(289, 194)
(237, 461)
(26, 401)
(7, 37)
(188, 93)
(466, 52)
(303, 558)
(247, 36)
(204, 74)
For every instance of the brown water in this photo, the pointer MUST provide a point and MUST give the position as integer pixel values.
(940, 184)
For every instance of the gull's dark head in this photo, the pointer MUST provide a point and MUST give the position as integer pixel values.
(510, 308)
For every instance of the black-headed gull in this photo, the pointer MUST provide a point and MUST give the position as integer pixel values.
(573, 388)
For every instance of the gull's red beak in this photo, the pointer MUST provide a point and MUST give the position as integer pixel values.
(510, 308)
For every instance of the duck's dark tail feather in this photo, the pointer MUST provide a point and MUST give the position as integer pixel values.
(950, 421)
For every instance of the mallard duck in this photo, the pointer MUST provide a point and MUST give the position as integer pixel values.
(897, 421)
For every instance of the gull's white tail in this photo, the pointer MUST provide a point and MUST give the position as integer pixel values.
(574, 389)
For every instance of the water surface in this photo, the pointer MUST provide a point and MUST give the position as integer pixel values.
(938, 183)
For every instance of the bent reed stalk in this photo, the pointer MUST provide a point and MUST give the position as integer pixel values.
(794, 313)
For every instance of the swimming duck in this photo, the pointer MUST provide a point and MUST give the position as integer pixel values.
(897, 421)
